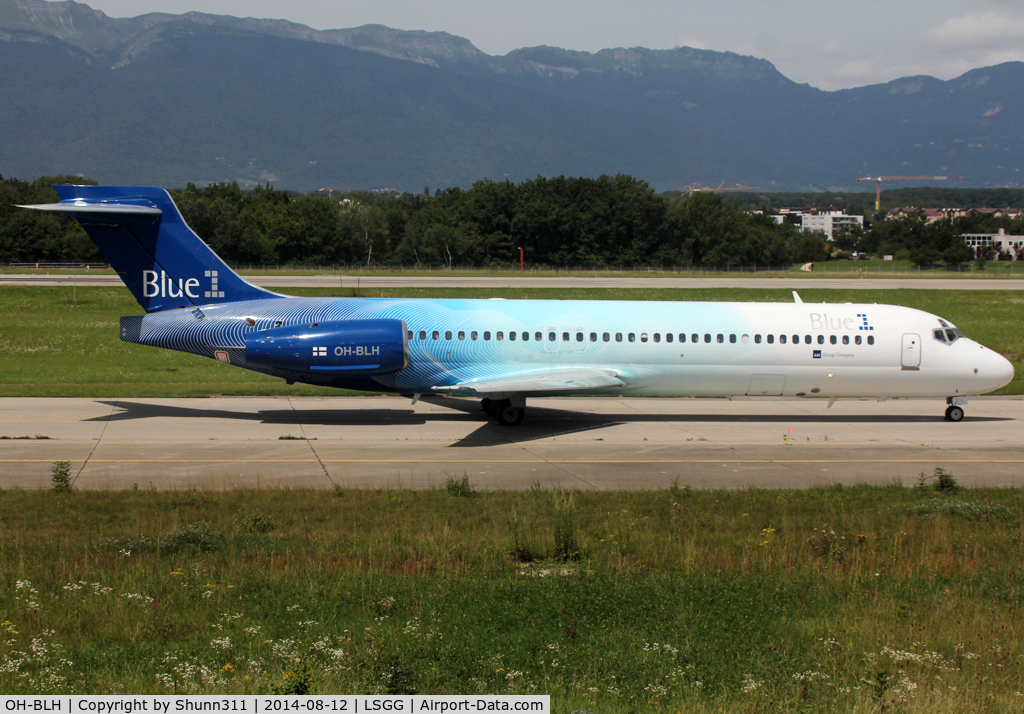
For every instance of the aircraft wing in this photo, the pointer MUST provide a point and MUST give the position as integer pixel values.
(567, 379)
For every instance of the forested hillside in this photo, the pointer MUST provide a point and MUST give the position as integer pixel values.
(169, 99)
(609, 221)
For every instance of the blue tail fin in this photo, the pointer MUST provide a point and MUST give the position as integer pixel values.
(144, 238)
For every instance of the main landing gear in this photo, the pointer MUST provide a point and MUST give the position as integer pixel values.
(504, 411)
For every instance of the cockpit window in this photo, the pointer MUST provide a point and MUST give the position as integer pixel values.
(948, 334)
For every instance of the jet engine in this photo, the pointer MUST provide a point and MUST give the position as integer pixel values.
(347, 347)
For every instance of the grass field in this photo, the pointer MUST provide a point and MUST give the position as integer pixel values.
(54, 346)
(842, 599)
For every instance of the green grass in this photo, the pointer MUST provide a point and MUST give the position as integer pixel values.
(673, 600)
(54, 346)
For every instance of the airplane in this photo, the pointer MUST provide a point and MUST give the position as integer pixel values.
(507, 351)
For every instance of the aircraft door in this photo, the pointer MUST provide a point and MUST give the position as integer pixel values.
(551, 338)
(910, 357)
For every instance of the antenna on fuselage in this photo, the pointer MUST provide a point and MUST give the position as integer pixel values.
(796, 297)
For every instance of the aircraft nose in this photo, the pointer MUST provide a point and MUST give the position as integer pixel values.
(993, 370)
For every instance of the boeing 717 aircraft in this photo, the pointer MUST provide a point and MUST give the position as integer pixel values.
(505, 351)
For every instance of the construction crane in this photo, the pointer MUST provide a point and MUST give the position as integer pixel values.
(695, 187)
(879, 179)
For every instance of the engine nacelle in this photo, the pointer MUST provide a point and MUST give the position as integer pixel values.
(347, 347)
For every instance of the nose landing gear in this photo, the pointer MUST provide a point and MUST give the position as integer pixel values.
(955, 410)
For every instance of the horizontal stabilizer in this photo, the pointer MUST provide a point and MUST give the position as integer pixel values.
(569, 379)
(82, 207)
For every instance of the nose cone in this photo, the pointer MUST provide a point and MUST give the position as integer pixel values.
(992, 371)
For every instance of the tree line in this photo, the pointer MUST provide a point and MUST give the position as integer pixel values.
(607, 221)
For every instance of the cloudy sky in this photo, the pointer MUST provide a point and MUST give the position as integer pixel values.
(830, 44)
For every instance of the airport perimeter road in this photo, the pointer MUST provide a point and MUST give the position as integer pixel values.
(454, 281)
(612, 443)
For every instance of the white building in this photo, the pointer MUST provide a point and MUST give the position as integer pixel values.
(826, 221)
(997, 241)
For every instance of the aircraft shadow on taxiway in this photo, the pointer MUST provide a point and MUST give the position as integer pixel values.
(541, 422)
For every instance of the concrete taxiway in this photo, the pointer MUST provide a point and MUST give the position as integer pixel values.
(580, 443)
(598, 280)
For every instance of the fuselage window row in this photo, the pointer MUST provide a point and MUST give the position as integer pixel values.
(657, 337)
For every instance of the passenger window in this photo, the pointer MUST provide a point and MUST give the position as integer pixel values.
(512, 336)
(436, 335)
(846, 339)
(538, 337)
(606, 337)
(657, 337)
(487, 335)
(474, 335)
(732, 339)
(499, 336)
(771, 339)
(593, 337)
(632, 337)
(565, 337)
(643, 337)
(808, 339)
(579, 337)
(552, 337)
(462, 335)
(832, 339)
(745, 339)
(618, 337)
(682, 337)
(694, 338)
(707, 338)
(409, 335)
(782, 339)
(871, 339)
(821, 339)
(796, 340)
(720, 338)
(447, 334)
(423, 334)
(668, 337)
(757, 339)
(856, 339)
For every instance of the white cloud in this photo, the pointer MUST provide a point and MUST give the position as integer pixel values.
(979, 30)
(694, 42)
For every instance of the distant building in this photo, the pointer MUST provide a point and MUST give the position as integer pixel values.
(1000, 241)
(826, 221)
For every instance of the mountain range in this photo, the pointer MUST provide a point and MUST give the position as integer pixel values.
(168, 99)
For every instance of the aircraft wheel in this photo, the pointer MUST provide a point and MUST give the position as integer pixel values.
(508, 415)
(954, 414)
